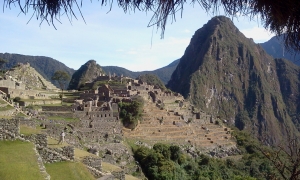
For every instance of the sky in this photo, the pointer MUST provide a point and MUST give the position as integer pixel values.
(110, 37)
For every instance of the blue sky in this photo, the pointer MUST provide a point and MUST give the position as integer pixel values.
(111, 38)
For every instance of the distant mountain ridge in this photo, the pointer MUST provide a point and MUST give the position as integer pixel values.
(45, 66)
(275, 47)
(226, 74)
(163, 73)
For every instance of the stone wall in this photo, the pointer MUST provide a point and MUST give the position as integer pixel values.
(94, 164)
(7, 83)
(9, 129)
(28, 122)
(54, 130)
(119, 175)
(50, 155)
(55, 108)
(24, 94)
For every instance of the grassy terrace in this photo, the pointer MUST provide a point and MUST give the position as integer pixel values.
(18, 161)
(2, 101)
(68, 171)
(67, 119)
(5, 108)
(28, 130)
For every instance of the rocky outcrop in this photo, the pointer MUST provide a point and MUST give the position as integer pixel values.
(86, 73)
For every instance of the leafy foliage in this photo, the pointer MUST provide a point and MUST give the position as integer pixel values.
(152, 80)
(61, 77)
(131, 112)
(251, 165)
(283, 18)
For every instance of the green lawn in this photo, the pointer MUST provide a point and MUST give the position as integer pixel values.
(5, 108)
(68, 171)
(68, 119)
(28, 130)
(18, 161)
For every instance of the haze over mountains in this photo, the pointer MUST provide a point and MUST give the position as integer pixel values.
(275, 47)
(221, 72)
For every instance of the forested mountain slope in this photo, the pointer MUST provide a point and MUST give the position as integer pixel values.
(224, 73)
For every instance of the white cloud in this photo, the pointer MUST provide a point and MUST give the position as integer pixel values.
(258, 34)
(132, 52)
(187, 31)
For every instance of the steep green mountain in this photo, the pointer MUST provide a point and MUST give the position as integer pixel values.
(163, 73)
(44, 65)
(224, 73)
(152, 79)
(275, 47)
(86, 73)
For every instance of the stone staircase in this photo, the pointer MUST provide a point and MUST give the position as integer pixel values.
(162, 126)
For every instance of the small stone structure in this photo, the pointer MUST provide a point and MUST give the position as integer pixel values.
(9, 129)
(94, 162)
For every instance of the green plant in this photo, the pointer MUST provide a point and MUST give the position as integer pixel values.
(131, 112)
(17, 99)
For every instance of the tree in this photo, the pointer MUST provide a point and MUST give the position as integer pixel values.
(62, 78)
(131, 112)
(286, 159)
(2, 62)
(280, 17)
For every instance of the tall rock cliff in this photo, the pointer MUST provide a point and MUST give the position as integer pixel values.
(86, 73)
(224, 73)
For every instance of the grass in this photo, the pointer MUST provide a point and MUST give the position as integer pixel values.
(52, 143)
(6, 117)
(28, 130)
(59, 104)
(21, 115)
(2, 102)
(106, 167)
(5, 108)
(80, 154)
(68, 171)
(18, 161)
(68, 119)
(129, 177)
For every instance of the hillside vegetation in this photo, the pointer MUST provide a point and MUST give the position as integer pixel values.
(44, 65)
(18, 161)
(163, 73)
(86, 73)
(152, 79)
(224, 73)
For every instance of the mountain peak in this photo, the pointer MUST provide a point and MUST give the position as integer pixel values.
(87, 72)
(226, 74)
